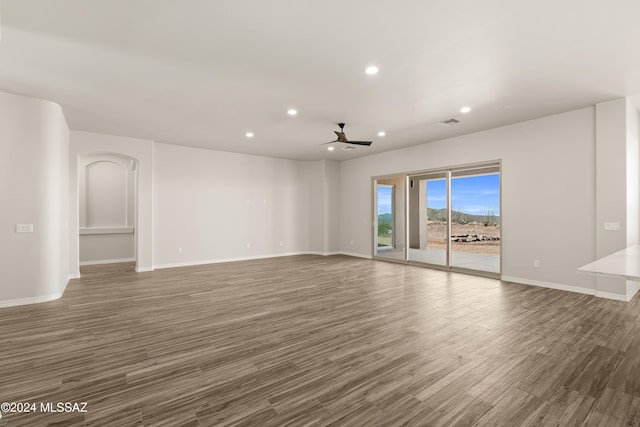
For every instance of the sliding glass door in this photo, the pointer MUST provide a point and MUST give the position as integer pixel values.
(452, 218)
(389, 218)
(475, 222)
(428, 218)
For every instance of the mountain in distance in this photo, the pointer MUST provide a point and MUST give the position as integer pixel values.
(441, 215)
(384, 218)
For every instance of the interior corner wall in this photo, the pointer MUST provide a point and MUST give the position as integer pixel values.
(213, 206)
(633, 186)
(86, 143)
(633, 175)
(611, 176)
(323, 182)
(332, 206)
(548, 193)
(615, 173)
(34, 142)
(314, 177)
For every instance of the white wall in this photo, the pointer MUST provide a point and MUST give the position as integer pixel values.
(101, 248)
(86, 144)
(548, 193)
(34, 146)
(219, 206)
(105, 196)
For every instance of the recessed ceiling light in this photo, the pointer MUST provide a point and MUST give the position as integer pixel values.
(249, 134)
(292, 112)
(331, 148)
(382, 133)
(465, 109)
(371, 70)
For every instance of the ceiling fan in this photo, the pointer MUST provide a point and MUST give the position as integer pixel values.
(343, 138)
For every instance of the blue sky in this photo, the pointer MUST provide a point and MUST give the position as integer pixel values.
(473, 195)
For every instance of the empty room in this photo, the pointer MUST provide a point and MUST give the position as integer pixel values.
(305, 213)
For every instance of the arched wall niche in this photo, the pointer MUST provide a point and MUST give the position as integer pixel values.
(107, 188)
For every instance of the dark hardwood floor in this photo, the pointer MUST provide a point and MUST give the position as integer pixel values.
(312, 340)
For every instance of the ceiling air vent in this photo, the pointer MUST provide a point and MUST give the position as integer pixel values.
(450, 122)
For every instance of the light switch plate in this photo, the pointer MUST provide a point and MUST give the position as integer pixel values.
(612, 226)
(24, 228)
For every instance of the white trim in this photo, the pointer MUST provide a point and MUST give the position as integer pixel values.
(576, 289)
(107, 261)
(143, 269)
(74, 276)
(88, 231)
(221, 260)
(609, 295)
(633, 291)
(550, 285)
(356, 255)
(26, 301)
(34, 300)
(64, 288)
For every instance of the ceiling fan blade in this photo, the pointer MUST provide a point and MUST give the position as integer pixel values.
(367, 143)
(341, 136)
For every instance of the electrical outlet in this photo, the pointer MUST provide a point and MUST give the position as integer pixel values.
(248, 245)
(179, 250)
(536, 263)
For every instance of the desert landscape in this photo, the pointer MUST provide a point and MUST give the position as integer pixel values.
(472, 237)
(477, 234)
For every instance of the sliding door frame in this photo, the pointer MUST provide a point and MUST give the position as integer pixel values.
(448, 170)
(374, 218)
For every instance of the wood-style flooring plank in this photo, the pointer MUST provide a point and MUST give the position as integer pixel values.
(319, 341)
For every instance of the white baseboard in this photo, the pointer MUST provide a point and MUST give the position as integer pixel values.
(549, 285)
(633, 291)
(26, 301)
(576, 289)
(221, 260)
(320, 253)
(34, 300)
(234, 259)
(610, 295)
(74, 276)
(107, 261)
(356, 255)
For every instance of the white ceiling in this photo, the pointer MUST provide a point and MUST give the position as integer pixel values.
(202, 73)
